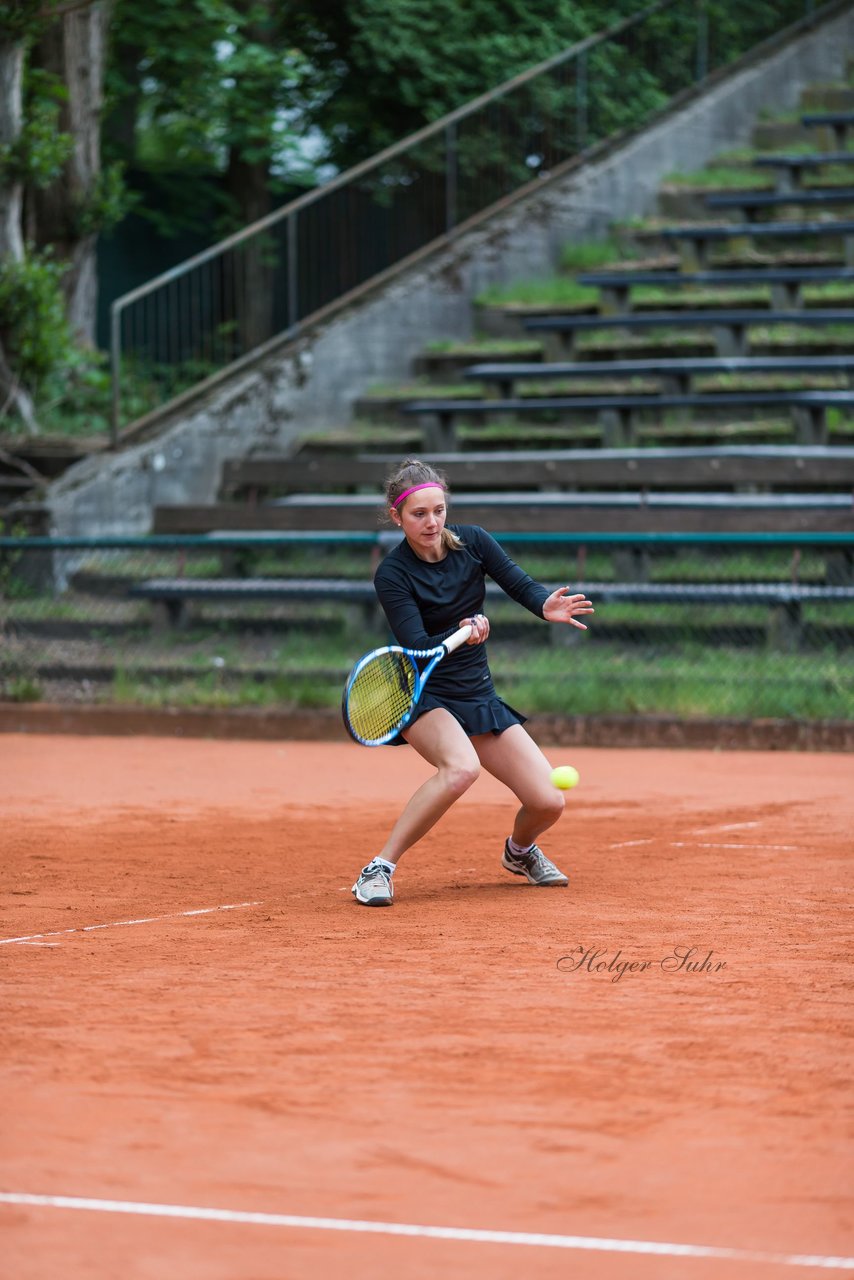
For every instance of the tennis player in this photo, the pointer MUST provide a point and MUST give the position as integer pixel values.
(432, 583)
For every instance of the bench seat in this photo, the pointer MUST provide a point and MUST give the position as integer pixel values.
(694, 239)
(661, 468)
(173, 596)
(838, 121)
(728, 326)
(785, 283)
(531, 512)
(677, 371)
(751, 201)
(792, 166)
(617, 412)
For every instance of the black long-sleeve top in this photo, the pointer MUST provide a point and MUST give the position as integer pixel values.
(425, 601)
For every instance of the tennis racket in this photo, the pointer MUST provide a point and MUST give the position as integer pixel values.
(384, 686)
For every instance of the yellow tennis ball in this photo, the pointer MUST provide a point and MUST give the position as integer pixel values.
(564, 777)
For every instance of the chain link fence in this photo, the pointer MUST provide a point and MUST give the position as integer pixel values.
(745, 626)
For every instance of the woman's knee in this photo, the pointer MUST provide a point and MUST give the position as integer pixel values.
(548, 804)
(460, 774)
(440, 739)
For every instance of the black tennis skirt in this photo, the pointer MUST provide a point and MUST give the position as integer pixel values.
(483, 713)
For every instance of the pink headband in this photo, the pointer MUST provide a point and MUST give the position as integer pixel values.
(428, 484)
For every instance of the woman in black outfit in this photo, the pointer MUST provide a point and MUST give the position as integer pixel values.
(429, 585)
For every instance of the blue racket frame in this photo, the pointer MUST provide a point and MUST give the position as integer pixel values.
(421, 677)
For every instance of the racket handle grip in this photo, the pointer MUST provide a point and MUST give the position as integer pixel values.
(459, 637)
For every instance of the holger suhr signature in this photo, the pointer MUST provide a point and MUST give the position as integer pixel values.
(612, 964)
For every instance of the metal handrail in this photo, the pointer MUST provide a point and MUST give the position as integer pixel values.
(347, 181)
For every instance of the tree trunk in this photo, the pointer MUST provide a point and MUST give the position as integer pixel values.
(12, 394)
(120, 127)
(251, 262)
(73, 48)
(248, 184)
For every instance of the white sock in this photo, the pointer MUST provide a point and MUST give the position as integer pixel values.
(389, 866)
(518, 849)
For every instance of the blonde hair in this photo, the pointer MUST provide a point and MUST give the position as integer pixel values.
(412, 472)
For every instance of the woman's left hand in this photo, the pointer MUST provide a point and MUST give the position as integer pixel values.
(479, 624)
(563, 607)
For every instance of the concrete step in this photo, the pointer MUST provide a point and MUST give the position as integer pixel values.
(442, 366)
(828, 97)
(781, 135)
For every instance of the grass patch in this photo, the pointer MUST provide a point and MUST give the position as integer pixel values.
(719, 177)
(20, 689)
(213, 691)
(771, 382)
(834, 291)
(484, 347)
(588, 255)
(687, 680)
(767, 116)
(662, 338)
(693, 682)
(792, 333)
(137, 565)
(654, 298)
(425, 391)
(551, 292)
(362, 434)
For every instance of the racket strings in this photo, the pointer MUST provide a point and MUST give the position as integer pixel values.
(381, 695)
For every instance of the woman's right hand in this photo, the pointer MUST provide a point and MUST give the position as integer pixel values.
(479, 624)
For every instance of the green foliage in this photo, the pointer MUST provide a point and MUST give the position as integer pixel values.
(107, 203)
(719, 177)
(40, 150)
(22, 689)
(590, 254)
(736, 28)
(216, 85)
(554, 291)
(209, 84)
(33, 328)
(687, 679)
(74, 396)
(20, 18)
(389, 66)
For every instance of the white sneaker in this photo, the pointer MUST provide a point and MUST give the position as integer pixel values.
(374, 887)
(533, 865)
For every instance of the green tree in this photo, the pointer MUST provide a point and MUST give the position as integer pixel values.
(52, 189)
(209, 98)
(385, 68)
(65, 213)
(23, 156)
(210, 88)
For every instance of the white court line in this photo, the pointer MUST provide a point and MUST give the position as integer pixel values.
(629, 844)
(726, 826)
(700, 844)
(122, 924)
(533, 1239)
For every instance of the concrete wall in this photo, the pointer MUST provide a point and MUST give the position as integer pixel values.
(311, 384)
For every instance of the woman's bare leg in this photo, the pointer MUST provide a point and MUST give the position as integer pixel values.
(438, 737)
(515, 759)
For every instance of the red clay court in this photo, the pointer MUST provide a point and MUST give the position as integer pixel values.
(216, 1066)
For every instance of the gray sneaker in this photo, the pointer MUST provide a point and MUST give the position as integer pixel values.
(533, 865)
(374, 887)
